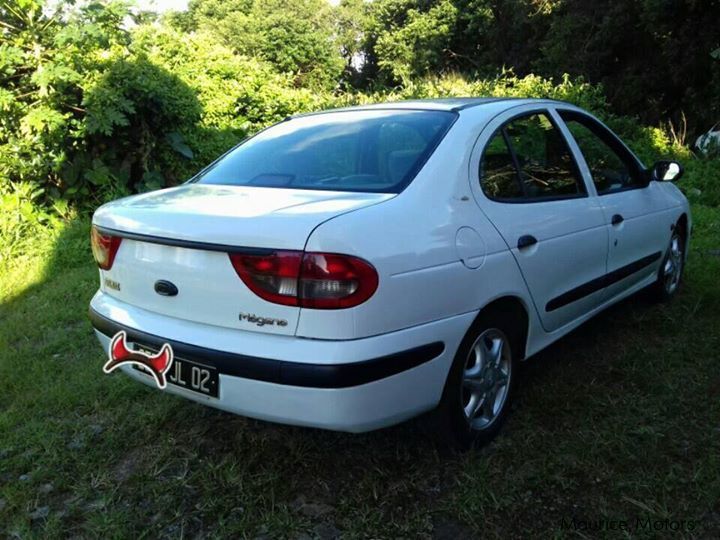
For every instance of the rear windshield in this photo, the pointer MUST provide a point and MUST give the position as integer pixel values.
(370, 151)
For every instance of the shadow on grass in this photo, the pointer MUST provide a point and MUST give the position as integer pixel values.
(605, 426)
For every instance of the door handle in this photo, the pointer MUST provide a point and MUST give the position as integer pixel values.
(617, 219)
(526, 240)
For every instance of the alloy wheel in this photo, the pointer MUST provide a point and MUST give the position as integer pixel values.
(486, 378)
(672, 270)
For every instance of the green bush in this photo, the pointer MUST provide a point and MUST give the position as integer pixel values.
(105, 111)
(298, 38)
(237, 95)
(23, 221)
(91, 110)
(701, 182)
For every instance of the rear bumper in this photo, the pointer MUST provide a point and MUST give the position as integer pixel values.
(353, 385)
(280, 371)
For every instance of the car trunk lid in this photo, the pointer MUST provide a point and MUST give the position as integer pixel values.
(182, 236)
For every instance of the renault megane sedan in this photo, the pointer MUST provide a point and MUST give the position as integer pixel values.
(354, 268)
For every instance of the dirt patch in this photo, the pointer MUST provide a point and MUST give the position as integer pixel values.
(128, 465)
(447, 529)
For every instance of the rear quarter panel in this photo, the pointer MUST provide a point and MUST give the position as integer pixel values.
(410, 240)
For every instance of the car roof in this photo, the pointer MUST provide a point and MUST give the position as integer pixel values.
(438, 104)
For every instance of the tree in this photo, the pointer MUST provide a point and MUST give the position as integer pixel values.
(420, 44)
(80, 113)
(652, 57)
(43, 60)
(350, 19)
(296, 37)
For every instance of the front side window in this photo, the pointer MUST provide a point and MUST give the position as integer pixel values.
(610, 166)
(528, 159)
(370, 151)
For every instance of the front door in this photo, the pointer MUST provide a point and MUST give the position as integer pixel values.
(639, 229)
(530, 188)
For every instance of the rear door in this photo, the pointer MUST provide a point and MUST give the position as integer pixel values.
(638, 227)
(526, 181)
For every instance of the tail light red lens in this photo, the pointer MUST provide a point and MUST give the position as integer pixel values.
(332, 281)
(310, 280)
(273, 277)
(104, 248)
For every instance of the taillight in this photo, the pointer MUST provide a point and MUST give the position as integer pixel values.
(310, 280)
(331, 281)
(104, 248)
(273, 277)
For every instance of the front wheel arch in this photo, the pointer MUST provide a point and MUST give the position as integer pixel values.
(682, 224)
(659, 291)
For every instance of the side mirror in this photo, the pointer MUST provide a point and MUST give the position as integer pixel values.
(666, 171)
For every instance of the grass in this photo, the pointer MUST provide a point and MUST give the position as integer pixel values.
(618, 421)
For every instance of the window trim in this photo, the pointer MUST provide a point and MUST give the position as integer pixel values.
(612, 141)
(579, 178)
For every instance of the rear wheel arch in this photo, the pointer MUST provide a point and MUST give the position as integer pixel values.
(448, 424)
(508, 308)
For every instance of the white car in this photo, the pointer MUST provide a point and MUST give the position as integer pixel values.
(354, 268)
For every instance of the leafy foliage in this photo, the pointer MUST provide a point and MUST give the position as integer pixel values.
(656, 59)
(92, 110)
(93, 107)
(296, 37)
(22, 219)
(414, 41)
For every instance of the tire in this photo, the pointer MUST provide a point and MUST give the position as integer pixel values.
(495, 338)
(671, 270)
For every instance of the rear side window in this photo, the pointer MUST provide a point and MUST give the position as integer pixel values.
(528, 160)
(498, 175)
(369, 151)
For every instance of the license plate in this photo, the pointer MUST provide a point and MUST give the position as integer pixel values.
(189, 375)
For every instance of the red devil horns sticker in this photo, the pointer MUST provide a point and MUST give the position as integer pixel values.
(120, 354)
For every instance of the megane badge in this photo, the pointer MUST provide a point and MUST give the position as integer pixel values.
(262, 321)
